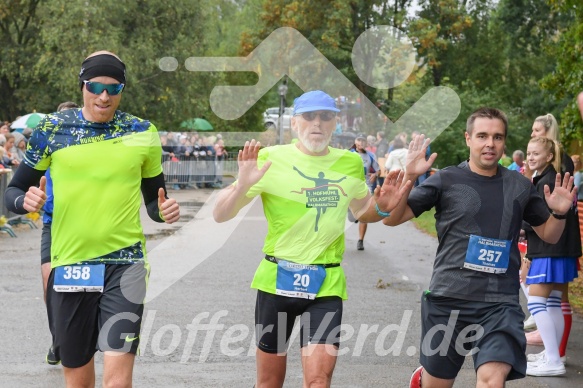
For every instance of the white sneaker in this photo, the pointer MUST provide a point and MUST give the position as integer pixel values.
(538, 357)
(530, 324)
(545, 369)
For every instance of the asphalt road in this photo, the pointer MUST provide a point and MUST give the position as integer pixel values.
(197, 329)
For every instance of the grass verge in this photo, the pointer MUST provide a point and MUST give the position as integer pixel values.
(426, 222)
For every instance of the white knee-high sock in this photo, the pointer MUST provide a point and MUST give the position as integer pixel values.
(556, 313)
(537, 305)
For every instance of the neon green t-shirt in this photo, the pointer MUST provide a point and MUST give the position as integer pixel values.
(305, 200)
(97, 169)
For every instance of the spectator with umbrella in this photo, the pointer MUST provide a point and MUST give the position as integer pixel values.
(30, 120)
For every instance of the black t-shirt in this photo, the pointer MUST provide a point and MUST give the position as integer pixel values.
(467, 204)
(569, 244)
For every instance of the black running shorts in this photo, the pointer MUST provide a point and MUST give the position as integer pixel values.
(490, 332)
(84, 322)
(45, 244)
(320, 321)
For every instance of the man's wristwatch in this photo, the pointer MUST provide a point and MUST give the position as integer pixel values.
(559, 216)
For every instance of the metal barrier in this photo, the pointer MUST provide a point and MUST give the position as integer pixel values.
(193, 170)
(231, 168)
(11, 218)
(197, 171)
(5, 176)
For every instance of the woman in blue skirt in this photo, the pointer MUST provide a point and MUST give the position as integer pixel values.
(553, 265)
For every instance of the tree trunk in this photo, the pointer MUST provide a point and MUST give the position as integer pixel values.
(436, 72)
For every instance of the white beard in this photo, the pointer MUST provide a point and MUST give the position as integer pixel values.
(315, 146)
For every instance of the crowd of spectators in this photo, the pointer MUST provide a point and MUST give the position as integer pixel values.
(12, 145)
(192, 160)
(12, 149)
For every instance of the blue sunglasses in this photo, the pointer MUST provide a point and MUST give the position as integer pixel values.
(98, 88)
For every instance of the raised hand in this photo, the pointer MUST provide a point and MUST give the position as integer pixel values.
(249, 174)
(416, 164)
(35, 197)
(562, 197)
(169, 209)
(390, 193)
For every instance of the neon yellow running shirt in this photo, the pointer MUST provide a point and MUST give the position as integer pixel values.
(305, 200)
(97, 169)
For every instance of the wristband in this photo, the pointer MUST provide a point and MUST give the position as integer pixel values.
(16, 202)
(381, 213)
(559, 216)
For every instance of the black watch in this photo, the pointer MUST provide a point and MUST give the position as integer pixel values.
(559, 216)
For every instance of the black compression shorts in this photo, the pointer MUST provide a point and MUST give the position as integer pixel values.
(320, 321)
(45, 244)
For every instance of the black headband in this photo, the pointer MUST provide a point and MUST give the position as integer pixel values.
(102, 65)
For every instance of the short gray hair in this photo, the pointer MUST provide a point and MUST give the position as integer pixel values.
(518, 153)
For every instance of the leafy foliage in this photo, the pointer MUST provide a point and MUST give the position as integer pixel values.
(441, 24)
(141, 33)
(518, 55)
(19, 29)
(566, 81)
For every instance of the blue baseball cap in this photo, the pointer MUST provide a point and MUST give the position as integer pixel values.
(313, 101)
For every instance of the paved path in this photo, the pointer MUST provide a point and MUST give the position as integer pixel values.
(197, 325)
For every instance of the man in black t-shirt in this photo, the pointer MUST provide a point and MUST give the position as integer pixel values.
(474, 286)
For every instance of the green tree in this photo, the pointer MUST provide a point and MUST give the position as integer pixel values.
(530, 30)
(493, 54)
(141, 33)
(228, 21)
(19, 29)
(566, 80)
(331, 26)
(440, 25)
(44, 42)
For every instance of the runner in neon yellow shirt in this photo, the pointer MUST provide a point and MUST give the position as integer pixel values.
(306, 189)
(100, 160)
